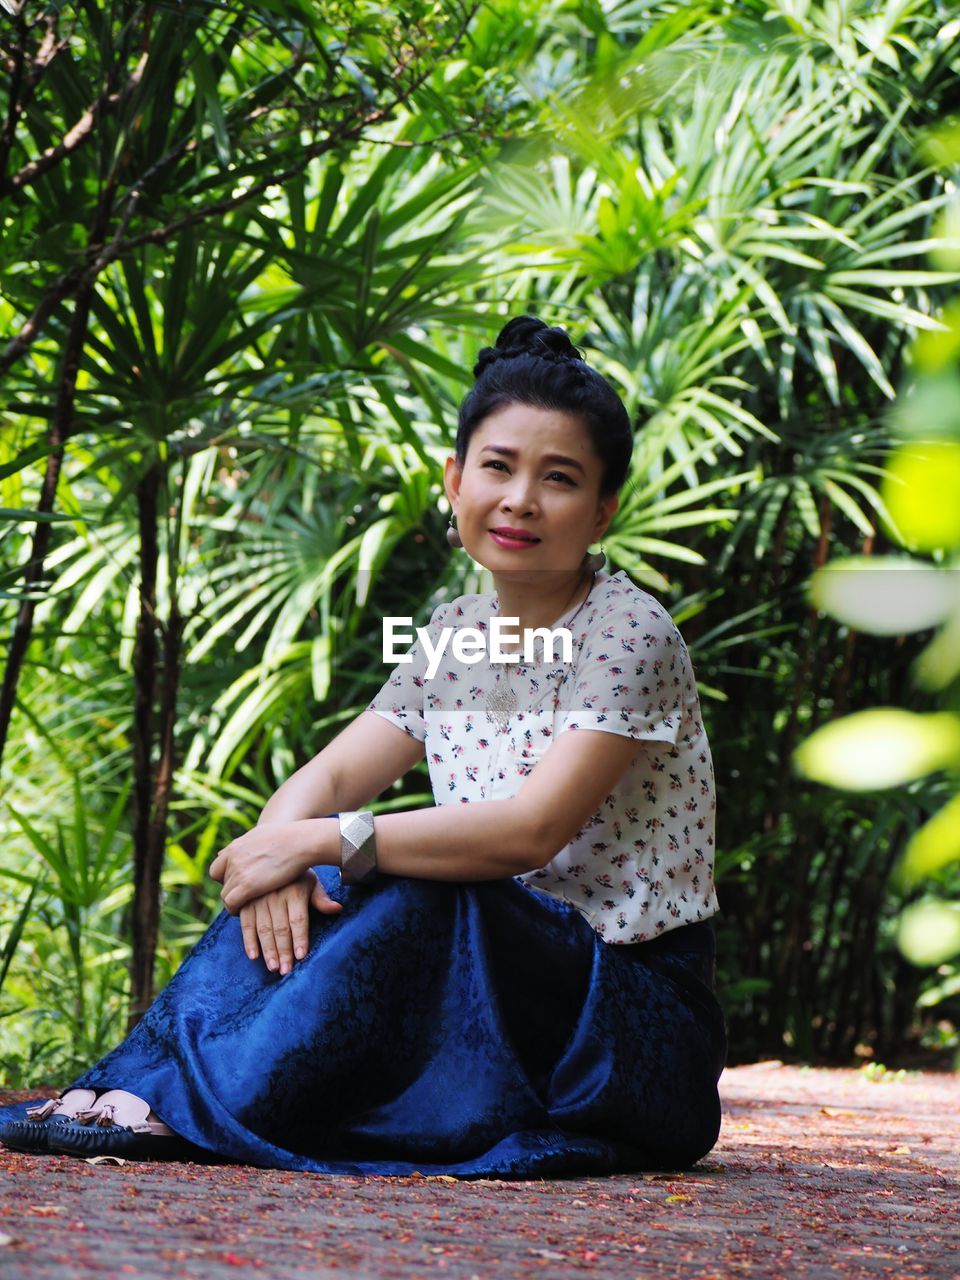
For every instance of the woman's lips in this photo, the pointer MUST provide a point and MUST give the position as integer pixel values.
(515, 544)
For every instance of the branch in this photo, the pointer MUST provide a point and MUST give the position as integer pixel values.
(49, 48)
(15, 70)
(78, 134)
(79, 278)
(61, 289)
(161, 234)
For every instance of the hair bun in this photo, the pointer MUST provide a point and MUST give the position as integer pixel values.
(527, 336)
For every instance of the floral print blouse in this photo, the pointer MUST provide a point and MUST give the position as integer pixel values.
(643, 863)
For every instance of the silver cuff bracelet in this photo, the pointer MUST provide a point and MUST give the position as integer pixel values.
(358, 848)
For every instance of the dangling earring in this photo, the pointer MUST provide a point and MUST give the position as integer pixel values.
(595, 560)
(453, 534)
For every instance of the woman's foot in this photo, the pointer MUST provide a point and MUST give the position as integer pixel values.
(33, 1132)
(120, 1124)
(118, 1107)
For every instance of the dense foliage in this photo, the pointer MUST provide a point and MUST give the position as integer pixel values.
(249, 252)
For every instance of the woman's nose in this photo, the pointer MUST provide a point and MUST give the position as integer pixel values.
(519, 497)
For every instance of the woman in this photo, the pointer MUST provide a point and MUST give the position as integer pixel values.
(508, 988)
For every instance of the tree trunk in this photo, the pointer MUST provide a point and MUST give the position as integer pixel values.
(61, 428)
(156, 670)
(146, 904)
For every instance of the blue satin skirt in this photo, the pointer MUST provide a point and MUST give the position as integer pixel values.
(479, 1029)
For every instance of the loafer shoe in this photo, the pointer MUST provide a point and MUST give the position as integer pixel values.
(31, 1135)
(86, 1140)
(32, 1132)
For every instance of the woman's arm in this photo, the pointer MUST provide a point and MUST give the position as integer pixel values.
(493, 840)
(481, 841)
(368, 756)
(443, 843)
(489, 839)
(486, 840)
(356, 766)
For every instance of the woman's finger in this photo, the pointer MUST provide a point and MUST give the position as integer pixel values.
(268, 946)
(282, 933)
(248, 924)
(320, 899)
(297, 900)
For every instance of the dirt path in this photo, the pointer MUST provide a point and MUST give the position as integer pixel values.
(818, 1174)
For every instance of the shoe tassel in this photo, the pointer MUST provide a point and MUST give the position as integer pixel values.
(105, 1116)
(96, 1115)
(44, 1111)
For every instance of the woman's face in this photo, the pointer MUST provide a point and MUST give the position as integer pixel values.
(536, 473)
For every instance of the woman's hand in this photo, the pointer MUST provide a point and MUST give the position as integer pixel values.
(262, 860)
(277, 925)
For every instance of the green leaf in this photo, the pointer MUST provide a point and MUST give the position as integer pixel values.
(886, 595)
(806, 506)
(207, 90)
(935, 845)
(846, 504)
(656, 546)
(896, 312)
(32, 453)
(874, 279)
(822, 355)
(940, 661)
(882, 747)
(16, 932)
(922, 492)
(21, 514)
(783, 253)
(855, 341)
(929, 932)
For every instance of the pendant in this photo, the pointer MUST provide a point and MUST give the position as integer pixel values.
(500, 704)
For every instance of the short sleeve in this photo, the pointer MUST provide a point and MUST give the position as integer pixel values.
(631, 675)
(401, 697)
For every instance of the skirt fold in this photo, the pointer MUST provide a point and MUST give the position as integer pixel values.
(478, 1029)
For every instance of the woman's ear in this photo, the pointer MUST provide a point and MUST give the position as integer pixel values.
(605, 512)
(452, 475)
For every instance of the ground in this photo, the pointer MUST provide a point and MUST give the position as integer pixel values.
(818, 1174)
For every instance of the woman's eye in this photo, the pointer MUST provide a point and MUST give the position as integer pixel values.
(553, 475)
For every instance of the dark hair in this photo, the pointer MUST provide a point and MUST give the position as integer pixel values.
(536, 365)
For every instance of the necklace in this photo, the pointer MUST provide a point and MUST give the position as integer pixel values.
(500, 703)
